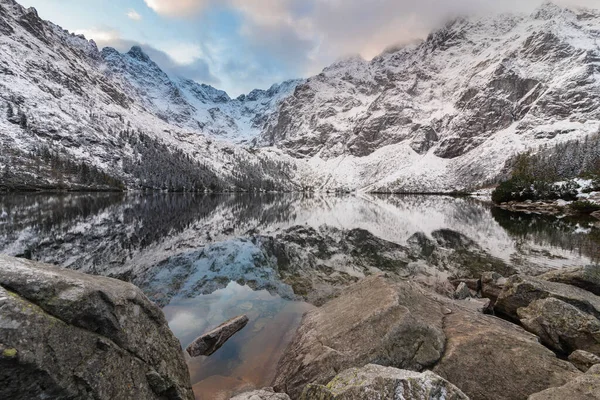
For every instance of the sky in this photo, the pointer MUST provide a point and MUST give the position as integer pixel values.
(240, 45)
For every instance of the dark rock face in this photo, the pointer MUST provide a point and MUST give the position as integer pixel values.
(212, 341)
(385, 383)
(67, 335)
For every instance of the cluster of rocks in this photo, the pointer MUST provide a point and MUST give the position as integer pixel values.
(67, 335)
(386, 338)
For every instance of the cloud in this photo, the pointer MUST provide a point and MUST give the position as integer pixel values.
(176, 8)
(132, 14)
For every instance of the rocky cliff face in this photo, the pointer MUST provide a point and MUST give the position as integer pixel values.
(67, 335)
(450, 111)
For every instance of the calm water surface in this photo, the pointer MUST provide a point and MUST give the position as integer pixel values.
(205, 259)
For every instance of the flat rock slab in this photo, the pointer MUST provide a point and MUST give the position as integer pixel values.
(377, 382)
(212, 341)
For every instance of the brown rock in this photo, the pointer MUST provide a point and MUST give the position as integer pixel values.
(584, 387)
(212, 341)
(373, 321)
(584, 360)
(492, 284)
(492, 359)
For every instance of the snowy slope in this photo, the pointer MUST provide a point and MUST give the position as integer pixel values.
(446, 114)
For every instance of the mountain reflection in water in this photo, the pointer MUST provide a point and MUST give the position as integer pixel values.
(206, 258)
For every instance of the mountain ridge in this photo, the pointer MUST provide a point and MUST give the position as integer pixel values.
(442, 115)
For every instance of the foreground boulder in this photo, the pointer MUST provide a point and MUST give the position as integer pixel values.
(372, 322)
(398, 324)
(385, 383)
(212, 341)
(585, 387)
(587, 277)
(565, 317)
(263, 394)
(67, 335)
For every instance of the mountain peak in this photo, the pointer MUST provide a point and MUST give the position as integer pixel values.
(548, 10)
(137, 53)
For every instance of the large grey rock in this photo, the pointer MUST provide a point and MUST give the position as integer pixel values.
(212, 341)
(561, 326)
(67, 335)
(583, 360)
(462, 291)
(492, 359)
(373, 321)
(587, 277)
(263, 394)
(384, 383)
(585, 387)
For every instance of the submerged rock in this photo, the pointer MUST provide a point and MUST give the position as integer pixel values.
(377, 382)
(263, 394)
(67, 335)
(212, 341)
(584, 360)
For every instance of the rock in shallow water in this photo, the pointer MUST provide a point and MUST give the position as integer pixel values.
(67, 335)
(212, 341)
(384, 383)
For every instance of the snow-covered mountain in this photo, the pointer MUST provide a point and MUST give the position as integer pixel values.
(185, 103)
(450, 111)
(65, 104)
(446, 114)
